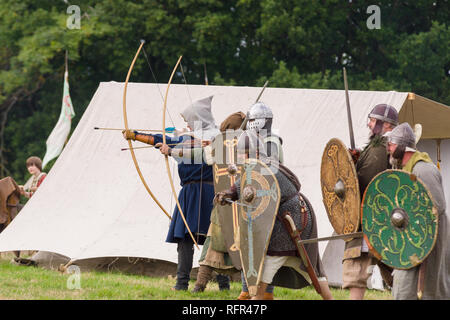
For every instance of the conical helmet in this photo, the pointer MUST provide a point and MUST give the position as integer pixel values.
(385, 113)
(402, 135)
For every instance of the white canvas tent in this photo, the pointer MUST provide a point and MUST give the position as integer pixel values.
(92, 203)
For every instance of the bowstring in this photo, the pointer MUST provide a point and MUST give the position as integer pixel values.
(168, 112)
(185, 83)
(201, 168)
(157, 83)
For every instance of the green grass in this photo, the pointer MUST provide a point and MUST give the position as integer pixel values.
(33, 283)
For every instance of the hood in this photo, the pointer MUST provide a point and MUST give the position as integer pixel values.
(199, 117)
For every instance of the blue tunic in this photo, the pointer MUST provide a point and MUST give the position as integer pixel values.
(196, 197)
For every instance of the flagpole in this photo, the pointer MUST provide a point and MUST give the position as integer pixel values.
(66, 72)
(67, 68)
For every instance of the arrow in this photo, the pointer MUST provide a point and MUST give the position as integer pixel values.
(240, 204)
(340, 236)
(167, 130)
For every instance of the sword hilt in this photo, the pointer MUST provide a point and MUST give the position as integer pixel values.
(291, 222)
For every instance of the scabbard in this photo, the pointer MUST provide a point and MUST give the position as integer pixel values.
(421, 279)
(295, 236)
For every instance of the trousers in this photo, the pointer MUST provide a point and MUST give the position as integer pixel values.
(185, 250)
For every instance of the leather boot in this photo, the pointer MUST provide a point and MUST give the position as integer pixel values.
(268, 296)
(198, 288)
(204, 274)
(223, 281)
(244, 296)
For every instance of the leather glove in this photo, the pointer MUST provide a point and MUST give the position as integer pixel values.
(222, 197)
(355, 154)
(129, 135)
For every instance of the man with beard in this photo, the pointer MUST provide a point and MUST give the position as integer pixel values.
(373, 159)
(401, 145)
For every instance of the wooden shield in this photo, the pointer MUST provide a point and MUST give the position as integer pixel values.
(340, 189)
(258, 207)
(224, 147)
(399, 219)
(9, 200)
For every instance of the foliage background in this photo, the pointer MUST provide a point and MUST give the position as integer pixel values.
(292, 43)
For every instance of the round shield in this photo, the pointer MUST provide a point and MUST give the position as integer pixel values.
(340, 189)
(259, 201)
(399, 219)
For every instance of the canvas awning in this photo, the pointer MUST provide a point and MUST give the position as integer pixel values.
(433, 116)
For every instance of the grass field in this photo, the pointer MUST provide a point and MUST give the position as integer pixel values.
(33, 283)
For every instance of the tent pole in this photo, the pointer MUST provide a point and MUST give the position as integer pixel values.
(63, 268)
(412, 97)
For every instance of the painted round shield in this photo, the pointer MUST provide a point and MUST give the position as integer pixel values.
(340, 189)
(259, 201)
(399, 219)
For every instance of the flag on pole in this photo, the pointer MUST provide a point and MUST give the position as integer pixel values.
(59, 134)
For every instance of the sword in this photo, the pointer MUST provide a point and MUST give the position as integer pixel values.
(349, 114)
(244, 123)
(264, 88)
(421, 280)
(295, 235)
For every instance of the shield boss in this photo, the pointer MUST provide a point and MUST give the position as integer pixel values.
(340, 190)
(399, 219)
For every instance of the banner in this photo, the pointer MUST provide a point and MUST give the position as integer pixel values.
(59, 134)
